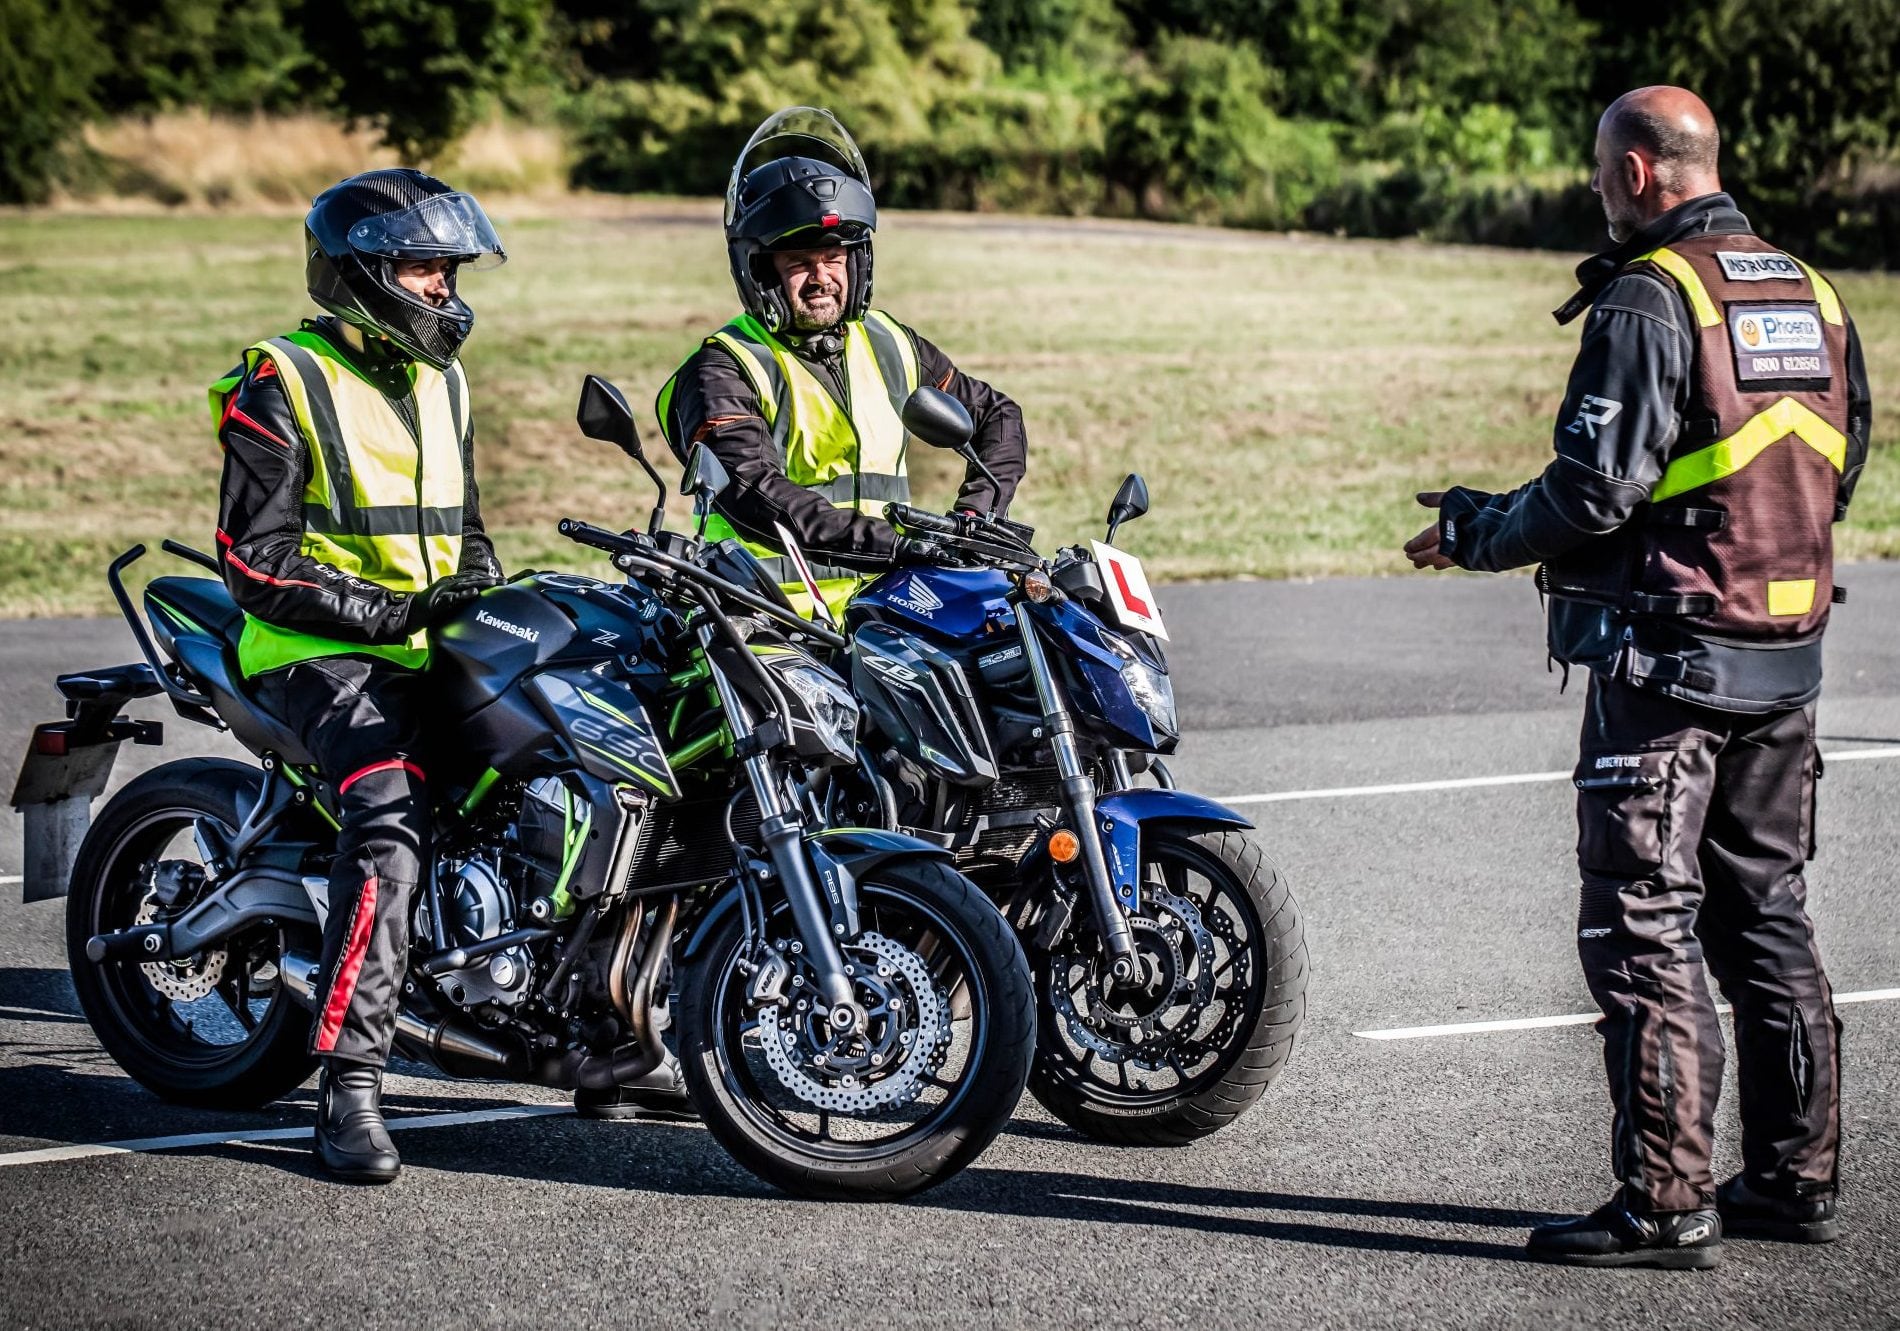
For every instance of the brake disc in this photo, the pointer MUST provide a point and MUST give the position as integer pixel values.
(186, 979)
(884, 1066)
(1180, 950)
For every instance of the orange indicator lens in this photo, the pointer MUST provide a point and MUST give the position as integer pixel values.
(1064, 846)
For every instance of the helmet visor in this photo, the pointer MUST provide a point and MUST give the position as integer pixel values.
(797, 131)
(447, 226)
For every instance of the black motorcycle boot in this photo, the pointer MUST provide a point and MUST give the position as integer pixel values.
(660, 1092)
(352, 1143)
(1748, 1212)
(1616, 1235)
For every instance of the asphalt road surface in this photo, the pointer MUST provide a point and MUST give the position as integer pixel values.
(1383, 1182)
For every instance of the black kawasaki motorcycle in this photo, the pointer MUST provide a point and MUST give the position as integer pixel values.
(1016, 710)
(624, 776)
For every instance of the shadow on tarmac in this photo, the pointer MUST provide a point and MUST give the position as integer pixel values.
(1098, 1200)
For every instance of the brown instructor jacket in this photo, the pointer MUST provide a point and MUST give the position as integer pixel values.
(1658, 587)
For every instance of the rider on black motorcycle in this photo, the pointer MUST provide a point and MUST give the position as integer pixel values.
(799, 396)
(348, 524)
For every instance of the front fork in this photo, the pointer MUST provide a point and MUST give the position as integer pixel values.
(1078, 794)
(781, 827)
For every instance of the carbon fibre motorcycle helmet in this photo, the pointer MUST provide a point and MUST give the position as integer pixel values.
(799, 184)
(360, 228)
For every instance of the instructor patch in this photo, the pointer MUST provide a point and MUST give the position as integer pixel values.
(1777, 342)
(1758, 267)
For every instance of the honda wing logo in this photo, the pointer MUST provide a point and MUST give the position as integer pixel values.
(918, 598)
(1593, 412)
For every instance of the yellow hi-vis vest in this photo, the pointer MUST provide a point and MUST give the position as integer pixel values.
(851, 452)
(380, 503)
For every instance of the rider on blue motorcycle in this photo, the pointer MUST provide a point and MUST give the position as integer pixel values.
(799, 395)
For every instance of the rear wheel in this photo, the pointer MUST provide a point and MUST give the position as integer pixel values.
(216, 1030)
(896, 1107)
(1210, 1022)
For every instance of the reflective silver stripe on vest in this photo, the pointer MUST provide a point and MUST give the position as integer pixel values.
(775, 387)
(385, 520)
(453, 377)
(873, 487)
(336, 460)
(890, 364)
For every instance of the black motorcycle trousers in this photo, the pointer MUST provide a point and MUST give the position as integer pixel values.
(1693, 828)
(360, 718)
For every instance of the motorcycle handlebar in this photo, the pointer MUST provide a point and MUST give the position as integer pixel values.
(915, 519)
(585, 533)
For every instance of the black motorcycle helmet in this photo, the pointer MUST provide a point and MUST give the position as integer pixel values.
(799, 184)
(359, 228)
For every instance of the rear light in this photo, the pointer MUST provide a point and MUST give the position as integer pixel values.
(50, 741)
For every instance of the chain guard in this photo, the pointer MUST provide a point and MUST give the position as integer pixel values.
(1174, 924)
(891, 1071)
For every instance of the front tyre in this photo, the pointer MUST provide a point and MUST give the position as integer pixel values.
(893, 1109)
(1211, 1021)
(216, 1031)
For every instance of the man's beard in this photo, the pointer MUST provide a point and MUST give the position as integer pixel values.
(813, 311)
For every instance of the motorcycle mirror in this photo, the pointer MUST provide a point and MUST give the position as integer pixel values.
(605, 415)
(1130, 502)
(932, 415)
(704, 478)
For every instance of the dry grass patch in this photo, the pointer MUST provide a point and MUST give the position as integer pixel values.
(1284, 397)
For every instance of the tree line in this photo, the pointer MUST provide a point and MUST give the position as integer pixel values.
(1452, 119)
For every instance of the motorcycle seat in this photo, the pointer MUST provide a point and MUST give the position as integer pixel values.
(199, 624)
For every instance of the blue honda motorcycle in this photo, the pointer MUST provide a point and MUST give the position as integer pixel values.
(1016, 711)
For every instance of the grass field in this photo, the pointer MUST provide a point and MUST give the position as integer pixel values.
(1283, 396)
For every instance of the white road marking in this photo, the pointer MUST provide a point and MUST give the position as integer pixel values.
(1572, 1019)
(85, 1150)
(7, 879)
(1473, 782)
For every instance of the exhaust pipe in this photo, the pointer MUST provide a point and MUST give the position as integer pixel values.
(449, 1044)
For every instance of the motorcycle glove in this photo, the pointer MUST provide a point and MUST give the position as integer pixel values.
(440, 599)
(923, 550)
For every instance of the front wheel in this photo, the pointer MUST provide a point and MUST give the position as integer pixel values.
(889, 1110)
(1210, 1020)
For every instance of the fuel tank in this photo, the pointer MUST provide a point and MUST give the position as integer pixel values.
(956, 604)
(535, 624)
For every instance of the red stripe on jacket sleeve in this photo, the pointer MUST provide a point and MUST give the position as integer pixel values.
(251, 573)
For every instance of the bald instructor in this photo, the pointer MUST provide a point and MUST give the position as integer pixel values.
(1714, 427)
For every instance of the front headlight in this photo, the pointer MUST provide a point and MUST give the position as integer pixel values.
(834, 712)
(1151, 689)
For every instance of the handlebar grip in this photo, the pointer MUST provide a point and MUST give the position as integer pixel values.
(585, 533)
(917, 520)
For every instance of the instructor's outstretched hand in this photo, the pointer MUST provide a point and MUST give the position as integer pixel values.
(1422, 549)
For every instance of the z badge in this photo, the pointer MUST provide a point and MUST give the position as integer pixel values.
(1778, 342)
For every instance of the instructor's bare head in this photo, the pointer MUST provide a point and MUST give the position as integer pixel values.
(1656, 148)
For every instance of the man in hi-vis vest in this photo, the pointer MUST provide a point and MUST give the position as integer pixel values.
(1713, 431)
(348, 525)
(799, 396)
